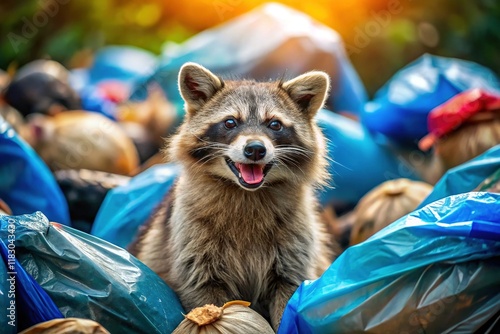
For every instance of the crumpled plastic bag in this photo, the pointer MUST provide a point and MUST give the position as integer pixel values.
(89, 278)
(26, 183)
(435, 270)
(244, 47)
(125, 64)
(465, 177)
(400, 108)
(127, 207)
(27, 303)
(351, 147)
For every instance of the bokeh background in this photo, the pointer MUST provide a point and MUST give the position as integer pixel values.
(381, 36)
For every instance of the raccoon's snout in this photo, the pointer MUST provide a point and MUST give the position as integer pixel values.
(255, 150)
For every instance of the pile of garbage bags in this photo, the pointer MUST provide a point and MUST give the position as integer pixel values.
(82, 169)
(66, 273)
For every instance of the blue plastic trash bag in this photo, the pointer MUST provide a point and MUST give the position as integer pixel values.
(5, 301)
(465, 177)
(122, 63)
(125, 64)
(244, 47)
(26, 183)
(359, 162)
(92, 100)
(89, 278)
(400, 108)
(127, 207)
(435, 270)
(28, 303)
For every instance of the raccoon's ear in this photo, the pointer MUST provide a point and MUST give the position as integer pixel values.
(308, 91)
(197, 85)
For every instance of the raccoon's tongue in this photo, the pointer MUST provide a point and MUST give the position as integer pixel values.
(251, 173)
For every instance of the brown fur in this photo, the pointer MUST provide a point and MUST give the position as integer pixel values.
(216, 240)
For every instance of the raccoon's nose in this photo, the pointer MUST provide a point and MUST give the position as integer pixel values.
(255, 150)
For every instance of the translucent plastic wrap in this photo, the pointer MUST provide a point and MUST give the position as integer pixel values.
(435, 270)
(89, 278)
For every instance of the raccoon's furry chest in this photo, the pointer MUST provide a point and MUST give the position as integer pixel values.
(237, 240)
(242, 226)
(238, 251)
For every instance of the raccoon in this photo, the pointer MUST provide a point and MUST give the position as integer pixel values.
(241, 221)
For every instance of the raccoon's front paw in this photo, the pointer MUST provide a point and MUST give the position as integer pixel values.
(283, 294)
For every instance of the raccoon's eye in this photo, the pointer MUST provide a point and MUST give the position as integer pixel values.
(230, 123)
(275, 125)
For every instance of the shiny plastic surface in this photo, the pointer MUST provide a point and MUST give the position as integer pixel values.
(351, 149)
(87, 277)
(27, 303)
(26, 183)
(121, 63)
(127, 207)
(400, 108)
(435, 270)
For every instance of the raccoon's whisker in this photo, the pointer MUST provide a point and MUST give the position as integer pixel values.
(295, 151)
(333, 161)
(213, 144)
(292, 158)
(284, 153)
(282, 162)
(216, 147)
(219, 152)
(293, 148)
(210, 143)
(209, 158)
(289, 155)
(292, 162)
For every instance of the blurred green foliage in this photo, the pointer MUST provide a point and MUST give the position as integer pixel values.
(452, 28)
(395, 31)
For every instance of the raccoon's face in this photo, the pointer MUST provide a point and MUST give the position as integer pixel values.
(251, 133)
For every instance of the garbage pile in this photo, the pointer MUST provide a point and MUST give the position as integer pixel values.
(413, 195)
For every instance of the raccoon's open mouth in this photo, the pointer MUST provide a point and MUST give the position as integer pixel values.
(250, 175)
